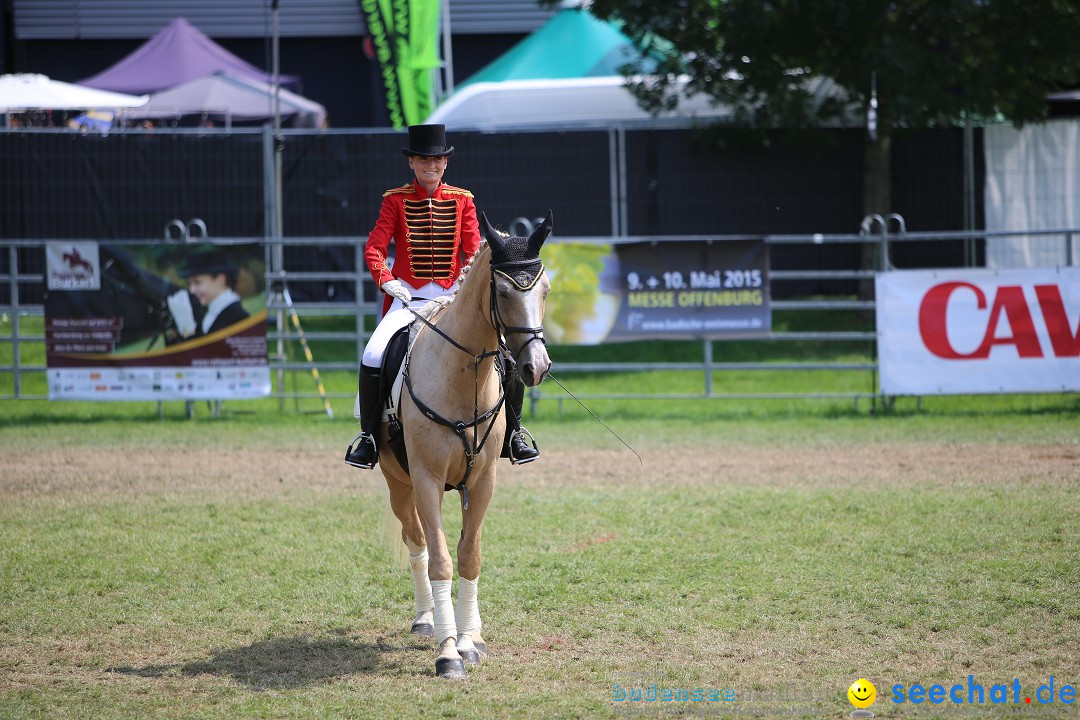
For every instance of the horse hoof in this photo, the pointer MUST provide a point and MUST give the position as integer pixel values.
(482, 648)
(423, 630)
(471, 656)
(450, 668)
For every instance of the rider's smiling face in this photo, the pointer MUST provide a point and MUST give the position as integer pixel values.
(429, 170)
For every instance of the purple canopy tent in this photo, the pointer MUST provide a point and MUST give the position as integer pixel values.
(177, 54)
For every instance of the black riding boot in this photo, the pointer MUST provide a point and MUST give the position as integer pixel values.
(362, 452)
(515, 446)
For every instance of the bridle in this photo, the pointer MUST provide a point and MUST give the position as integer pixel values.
(523, 275)
(500, 354)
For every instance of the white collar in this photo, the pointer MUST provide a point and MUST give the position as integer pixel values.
(215, 307)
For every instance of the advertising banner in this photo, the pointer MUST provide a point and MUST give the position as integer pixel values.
(961, 331)
(674, 290)
(405, 42)
(155, 322)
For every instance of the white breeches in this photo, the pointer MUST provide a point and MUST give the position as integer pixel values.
(398, 317)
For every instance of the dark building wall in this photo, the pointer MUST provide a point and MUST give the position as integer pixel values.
(128, 185)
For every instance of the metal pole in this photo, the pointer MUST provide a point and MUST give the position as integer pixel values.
(624, 201)
(278, 143)
(277, 261)
(969, 190)
(613, 174)
(16, 371)
(708, 368)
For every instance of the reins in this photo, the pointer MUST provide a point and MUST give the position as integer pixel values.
(461, 428)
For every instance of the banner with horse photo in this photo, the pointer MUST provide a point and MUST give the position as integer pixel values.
(155, 321)
(657, 290)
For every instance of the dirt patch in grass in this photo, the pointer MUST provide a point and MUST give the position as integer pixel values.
(86, 473)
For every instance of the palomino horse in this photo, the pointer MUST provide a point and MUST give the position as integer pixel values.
(453, 428)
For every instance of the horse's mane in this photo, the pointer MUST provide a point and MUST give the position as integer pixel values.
(473, 260)
(431, 310)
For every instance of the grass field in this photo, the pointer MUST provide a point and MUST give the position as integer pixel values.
(235, 568)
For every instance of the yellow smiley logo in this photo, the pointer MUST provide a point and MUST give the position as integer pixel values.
(862, 693)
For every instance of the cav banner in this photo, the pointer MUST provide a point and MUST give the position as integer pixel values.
(979, 331)
(674, 290)
(155, 322)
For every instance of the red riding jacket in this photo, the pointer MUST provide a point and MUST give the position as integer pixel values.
(435, 235)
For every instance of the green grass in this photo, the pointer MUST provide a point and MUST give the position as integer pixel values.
(292, 609)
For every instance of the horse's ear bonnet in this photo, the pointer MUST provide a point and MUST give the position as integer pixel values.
(517, 258)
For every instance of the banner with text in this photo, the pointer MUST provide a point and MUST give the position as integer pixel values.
(676, 290)
(155, 322)
(947, 332)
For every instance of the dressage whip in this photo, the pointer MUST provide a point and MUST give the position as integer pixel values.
(595, 416)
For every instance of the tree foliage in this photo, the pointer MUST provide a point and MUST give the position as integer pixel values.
(934, 60)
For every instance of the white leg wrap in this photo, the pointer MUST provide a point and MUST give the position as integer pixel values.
(467, 613)
(421, 584)
(444, 610)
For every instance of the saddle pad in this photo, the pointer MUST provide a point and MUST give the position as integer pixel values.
(396, 358)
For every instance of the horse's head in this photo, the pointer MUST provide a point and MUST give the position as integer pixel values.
(519, 287)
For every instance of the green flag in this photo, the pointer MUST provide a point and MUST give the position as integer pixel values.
(405, 35)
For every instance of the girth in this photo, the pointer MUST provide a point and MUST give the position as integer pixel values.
(461, 428)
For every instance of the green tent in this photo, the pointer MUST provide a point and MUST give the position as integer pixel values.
(572, 44)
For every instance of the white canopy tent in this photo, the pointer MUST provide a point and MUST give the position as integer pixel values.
(227, 97)
(25, 92)
(564, 102)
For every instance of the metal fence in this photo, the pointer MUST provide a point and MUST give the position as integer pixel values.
(882, 237)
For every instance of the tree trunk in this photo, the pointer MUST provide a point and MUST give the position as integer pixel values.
(877, 198)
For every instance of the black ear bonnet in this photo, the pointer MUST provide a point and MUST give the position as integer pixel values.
(517, 258)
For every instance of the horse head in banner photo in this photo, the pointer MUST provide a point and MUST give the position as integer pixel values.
(452, 427)
(128, 291)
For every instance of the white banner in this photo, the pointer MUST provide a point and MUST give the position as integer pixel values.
(1032, 184)
(950, 332)
(159, 383)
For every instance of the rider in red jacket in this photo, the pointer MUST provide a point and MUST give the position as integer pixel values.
(435, 231)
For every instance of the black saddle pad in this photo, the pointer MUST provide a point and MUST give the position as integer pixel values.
(392, 359)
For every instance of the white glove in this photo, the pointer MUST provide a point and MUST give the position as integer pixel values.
(180, 308)
(397, 289)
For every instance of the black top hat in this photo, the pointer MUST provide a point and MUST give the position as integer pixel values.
(207, 263)
(427, 141)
